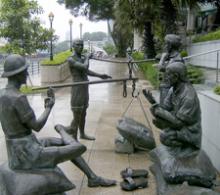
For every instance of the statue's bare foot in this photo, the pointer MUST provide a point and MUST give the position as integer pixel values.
(59, 128)
(99, 181)
(67, 138)
(87, 137)
(69, 130)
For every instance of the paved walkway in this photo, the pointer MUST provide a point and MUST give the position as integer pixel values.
(106, 107)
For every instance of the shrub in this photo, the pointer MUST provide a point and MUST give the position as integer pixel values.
(58, 59)
(195, 75)
(208, 37)
(184, 53)
(149, 71)
(138, 55)
(110, 49)
(217, 90)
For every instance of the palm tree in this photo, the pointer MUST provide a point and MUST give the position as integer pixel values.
(140, 15)
(171, 9)
(168, 16)
(123, 28)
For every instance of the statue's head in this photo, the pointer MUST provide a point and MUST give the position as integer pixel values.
(176, 72)
(77, 42)
(78, 45)
(172, 41)
(14, 64)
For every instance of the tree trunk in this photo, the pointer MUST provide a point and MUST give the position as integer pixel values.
(149, 49)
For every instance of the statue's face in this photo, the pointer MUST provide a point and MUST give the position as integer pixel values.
(22, 77)
(78, 47)
(168, 46)
(172, 78)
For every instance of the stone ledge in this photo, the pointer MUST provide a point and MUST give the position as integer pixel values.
(54, 73)
(210, 107)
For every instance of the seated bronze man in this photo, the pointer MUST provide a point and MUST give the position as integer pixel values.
(172, 44)
(180, 115)
(180, 158)
(25, 151)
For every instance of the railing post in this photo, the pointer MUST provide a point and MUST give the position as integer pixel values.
(38, 67)
(217, 67)
(32, 67)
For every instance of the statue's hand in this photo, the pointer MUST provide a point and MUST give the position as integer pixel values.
(105, 76)
(50, 100)
(50, 93)
(89, 55)
(172, 135)
(160, 123)
(148, 95)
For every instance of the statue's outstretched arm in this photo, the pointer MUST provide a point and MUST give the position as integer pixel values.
(95, 74)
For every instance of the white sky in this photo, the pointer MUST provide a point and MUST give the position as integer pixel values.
(61, 21)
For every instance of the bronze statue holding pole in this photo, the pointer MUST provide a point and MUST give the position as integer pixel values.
(25, 151)
(79, 68)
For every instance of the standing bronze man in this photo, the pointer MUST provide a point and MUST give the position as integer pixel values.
(79, 68)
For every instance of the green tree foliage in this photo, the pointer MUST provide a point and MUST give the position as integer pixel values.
(139, 15)
(168, 18)
(147, 16)
(21, 27)
(123, 27)
(94, 36)
(99, 10)
(94, 10)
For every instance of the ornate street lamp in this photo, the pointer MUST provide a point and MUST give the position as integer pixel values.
(71, 25)
(51, 17)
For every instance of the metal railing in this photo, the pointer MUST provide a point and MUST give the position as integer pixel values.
(34, 65)
(208, 52)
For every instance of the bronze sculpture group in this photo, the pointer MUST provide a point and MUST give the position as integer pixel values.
(179, 159)
(25, 151)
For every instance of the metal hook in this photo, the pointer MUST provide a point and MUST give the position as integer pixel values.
(133, 88)
(130, 67)
(124, 89)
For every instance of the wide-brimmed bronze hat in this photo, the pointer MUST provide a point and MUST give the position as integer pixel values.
(13, 65)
